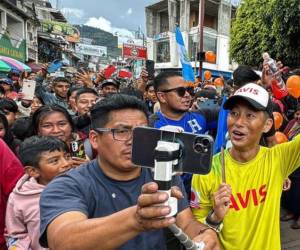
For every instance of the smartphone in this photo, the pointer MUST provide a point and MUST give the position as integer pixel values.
(28, 89)
(150, 69)
(196, 150)
(77, 149)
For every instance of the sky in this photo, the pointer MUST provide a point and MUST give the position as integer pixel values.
(121, 16)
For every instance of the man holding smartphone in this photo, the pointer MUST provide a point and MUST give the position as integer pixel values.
(110, 203)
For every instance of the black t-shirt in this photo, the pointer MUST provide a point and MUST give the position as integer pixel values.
(88, 190)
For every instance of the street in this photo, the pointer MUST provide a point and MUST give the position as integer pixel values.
(290, 238)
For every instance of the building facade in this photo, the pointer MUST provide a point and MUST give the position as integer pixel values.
(161, 19)
(18, 30)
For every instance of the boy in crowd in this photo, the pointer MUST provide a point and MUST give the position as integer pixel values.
(242, 192)
(43, 158)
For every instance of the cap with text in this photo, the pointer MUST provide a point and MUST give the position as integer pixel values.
(253, 94)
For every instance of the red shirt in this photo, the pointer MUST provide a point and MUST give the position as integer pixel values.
(11, 170)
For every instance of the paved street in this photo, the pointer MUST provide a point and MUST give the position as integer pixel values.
(290, 239)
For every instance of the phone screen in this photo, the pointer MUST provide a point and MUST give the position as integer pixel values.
(77, 149)
(28, 89)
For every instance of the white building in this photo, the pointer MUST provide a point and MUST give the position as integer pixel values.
(161, 18)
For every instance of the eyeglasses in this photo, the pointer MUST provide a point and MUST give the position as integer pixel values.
(119, 134)
(180, 91)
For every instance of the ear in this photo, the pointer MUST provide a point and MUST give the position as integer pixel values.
(268, 125)
(32, 172)
(76, 109)
(93, 137)
(161, 97)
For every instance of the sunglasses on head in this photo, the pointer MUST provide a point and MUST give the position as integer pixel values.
(180, 91)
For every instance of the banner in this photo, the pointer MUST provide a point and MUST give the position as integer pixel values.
(187, 70)
(16, 52)
(134, 51)
(91, 50)
(65, 29)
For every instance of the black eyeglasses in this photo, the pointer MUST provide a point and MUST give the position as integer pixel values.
(180, 91)
(119, 134)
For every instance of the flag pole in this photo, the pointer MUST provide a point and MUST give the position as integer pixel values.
(201, 24)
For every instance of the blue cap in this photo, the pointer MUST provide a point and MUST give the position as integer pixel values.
(6, 80)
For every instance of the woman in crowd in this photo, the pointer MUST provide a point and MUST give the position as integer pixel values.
(6, 134)
(54, 120)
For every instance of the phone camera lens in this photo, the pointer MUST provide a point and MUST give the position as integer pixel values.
(201, 145)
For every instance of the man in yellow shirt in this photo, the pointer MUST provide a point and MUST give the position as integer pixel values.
(250, 198)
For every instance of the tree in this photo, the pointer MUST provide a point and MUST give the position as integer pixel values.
(271, 26)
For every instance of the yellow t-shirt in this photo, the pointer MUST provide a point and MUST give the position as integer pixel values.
(252, 222)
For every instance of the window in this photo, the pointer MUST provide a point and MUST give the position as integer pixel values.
(209, 44)
(163, 51)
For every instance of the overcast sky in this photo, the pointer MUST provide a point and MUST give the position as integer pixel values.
(110, 15)
(114, 16)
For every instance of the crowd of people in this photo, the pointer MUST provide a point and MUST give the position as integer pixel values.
(68, 182)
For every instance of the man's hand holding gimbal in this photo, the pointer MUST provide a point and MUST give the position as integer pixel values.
(151, 212)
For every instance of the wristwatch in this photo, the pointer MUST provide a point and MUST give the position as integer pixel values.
(216, 226)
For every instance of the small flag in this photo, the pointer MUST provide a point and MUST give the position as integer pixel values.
(125, 74)
(222, 128)
(187, 70)
(110, 69)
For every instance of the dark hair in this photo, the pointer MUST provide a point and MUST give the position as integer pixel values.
(243, 75)
(71, 90)
(150, 84)
(162, 78)
(85, 91)
(36, 95)
(22, 128)
(132, 92)
(2, 91)
(32, 148)
(8, 136)
(101, 111)
(9, 105)
(43, 111)
(60, 79)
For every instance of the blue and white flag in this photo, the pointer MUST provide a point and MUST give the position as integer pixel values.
(187, 70)
(220, 140)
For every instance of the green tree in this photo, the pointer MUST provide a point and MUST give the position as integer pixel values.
(271, 26)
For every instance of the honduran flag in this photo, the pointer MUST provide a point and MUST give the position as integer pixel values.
(187, 70)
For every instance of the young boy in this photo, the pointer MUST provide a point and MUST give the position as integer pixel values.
(43, 158)
(244, 196)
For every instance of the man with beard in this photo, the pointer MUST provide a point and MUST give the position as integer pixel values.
(175, 99)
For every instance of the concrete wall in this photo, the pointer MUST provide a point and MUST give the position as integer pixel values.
(221, 33)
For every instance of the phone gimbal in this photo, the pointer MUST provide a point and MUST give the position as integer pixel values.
(166, 156)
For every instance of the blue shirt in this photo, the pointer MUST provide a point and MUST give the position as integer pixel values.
(191, 122)
(88, 190)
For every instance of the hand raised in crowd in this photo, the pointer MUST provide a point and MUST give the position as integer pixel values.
(221, 202)
(85, 78)
(149, 214)
(266, 76)
(100, 77)
(76, 161)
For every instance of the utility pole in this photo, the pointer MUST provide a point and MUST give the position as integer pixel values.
(201, 24)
